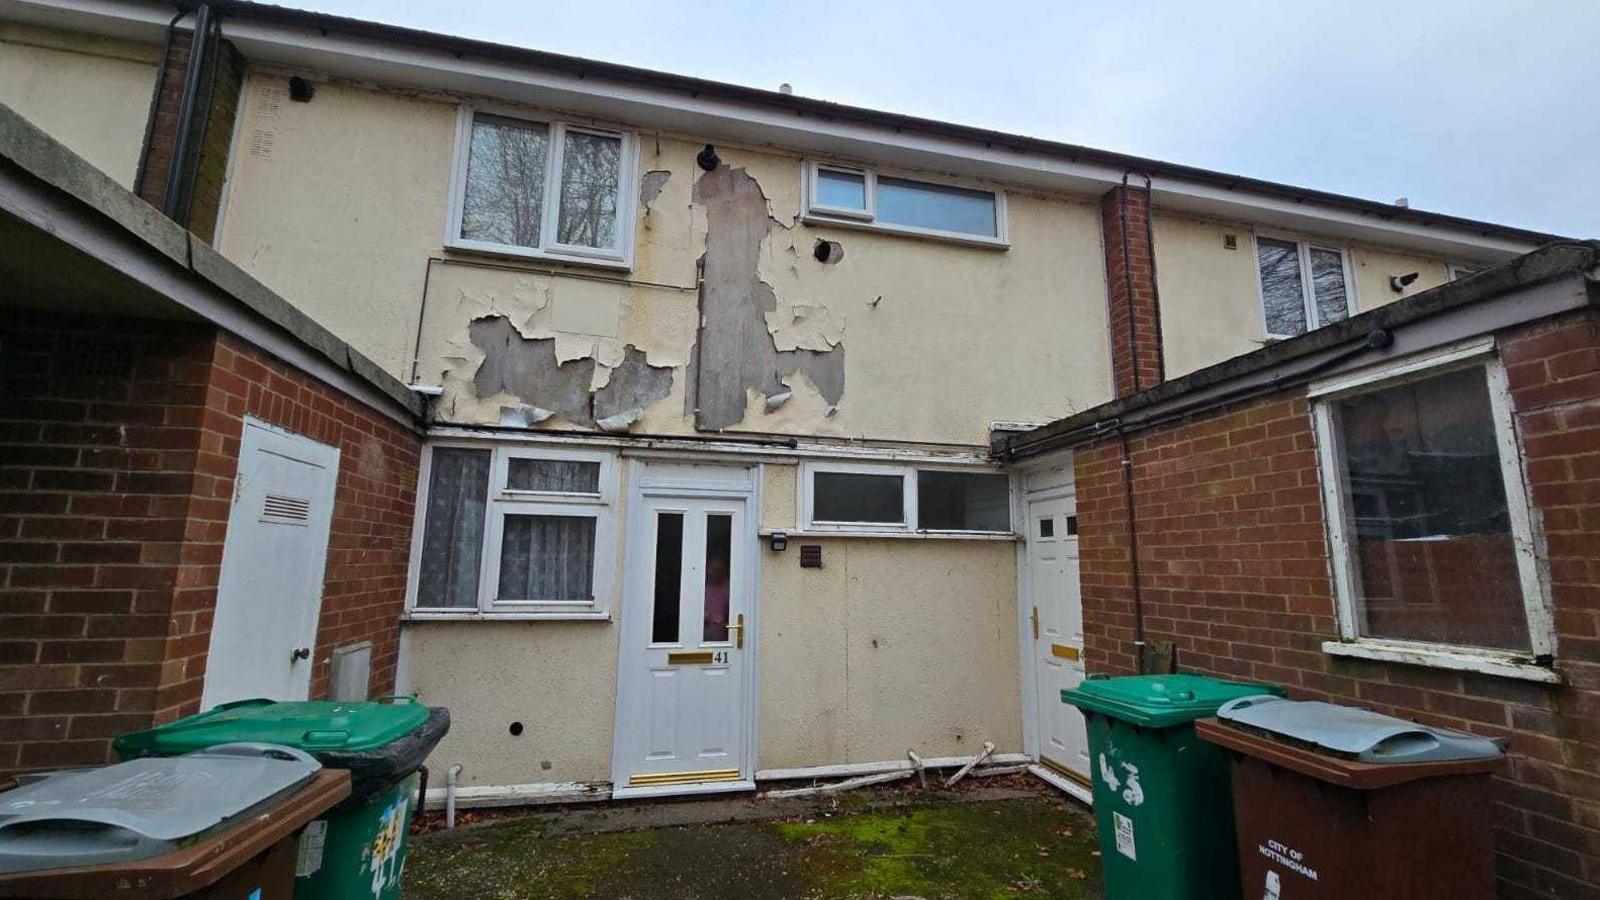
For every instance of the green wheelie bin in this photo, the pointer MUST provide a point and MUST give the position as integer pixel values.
(358, 849)
(1163, 801)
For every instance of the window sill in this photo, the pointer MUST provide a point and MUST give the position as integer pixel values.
(944, 237)
(430, 615)
(1007, 537)
(1503, 665)
(473, 248)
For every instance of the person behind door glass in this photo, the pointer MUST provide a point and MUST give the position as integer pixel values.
(717, 591)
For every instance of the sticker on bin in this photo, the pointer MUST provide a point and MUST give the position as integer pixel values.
(1128, 785)
(1125, 836)
(309, 859)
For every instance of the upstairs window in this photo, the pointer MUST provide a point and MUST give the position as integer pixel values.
(842, 195)
(1303, 286)
(541, 189)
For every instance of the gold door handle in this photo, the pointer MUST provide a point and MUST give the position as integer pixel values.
(1034, 616)
(738, 626)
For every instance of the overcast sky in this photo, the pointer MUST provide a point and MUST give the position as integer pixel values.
(1488, 109)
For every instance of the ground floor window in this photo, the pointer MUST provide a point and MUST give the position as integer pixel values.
(869, 497)
(515, 530)
(1427, 508)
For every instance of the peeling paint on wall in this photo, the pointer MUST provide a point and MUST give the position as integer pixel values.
(737, 351)
(531, 370)
(651, 186)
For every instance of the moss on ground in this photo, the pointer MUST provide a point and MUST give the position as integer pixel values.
(1038, 847)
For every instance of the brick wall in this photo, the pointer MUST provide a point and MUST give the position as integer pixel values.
(1131, 298)
(369, 540)
(99, 421)
(213, 133)
(118, 445)
(1233, 569)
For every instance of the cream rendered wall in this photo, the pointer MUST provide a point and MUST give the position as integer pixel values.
(1210, 296)
(894, 644)
(336, 204)
(339, 204)
(91, 94)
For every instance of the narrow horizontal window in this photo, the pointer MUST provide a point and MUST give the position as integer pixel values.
(1429, 527)
(541, 189)
(554, 476)
(862, 197)
(963, 501)
(452, 532)
(858, 498)
(935, 207)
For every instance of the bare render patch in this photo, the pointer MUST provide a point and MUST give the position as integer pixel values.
(736, 351)
(529, 370)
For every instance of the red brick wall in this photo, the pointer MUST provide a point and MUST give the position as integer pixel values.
(369, 540)
(99, 420)
(1233, 569)
(118, 443)
(1131, 290)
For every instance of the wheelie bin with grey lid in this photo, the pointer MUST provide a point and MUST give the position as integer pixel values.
(219, 824)
(1336, 801)
(358, 849)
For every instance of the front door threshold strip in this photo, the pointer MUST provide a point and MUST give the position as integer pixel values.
(653, 779)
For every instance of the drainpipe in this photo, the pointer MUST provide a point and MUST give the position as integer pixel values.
(450, 795)
(174, 205)
(155, 103)
(1133, 552)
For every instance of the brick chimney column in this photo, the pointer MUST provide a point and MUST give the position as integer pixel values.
(1131, 297)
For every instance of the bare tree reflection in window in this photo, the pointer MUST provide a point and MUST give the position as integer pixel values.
(1282, 292)
(504, 196)
(590, 166)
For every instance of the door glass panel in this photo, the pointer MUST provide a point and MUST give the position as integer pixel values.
(1047, 527)
(719, 558)
(669, 577)
(1072, 526)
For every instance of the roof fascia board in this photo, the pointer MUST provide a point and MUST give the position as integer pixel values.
(675, 108)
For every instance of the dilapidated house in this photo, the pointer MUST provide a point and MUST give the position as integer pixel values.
(728, 392)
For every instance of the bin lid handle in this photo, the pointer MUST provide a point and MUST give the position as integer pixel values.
(1239, 703)
(326, 737)
(260, 749)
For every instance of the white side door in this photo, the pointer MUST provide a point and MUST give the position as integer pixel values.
(1057, 629)
(273, 563)
(685, 673)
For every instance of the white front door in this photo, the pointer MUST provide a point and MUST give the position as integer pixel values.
(1056, 624)
(273, 561)
(685, 677)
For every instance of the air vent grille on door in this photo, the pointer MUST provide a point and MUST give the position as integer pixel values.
(285, 510)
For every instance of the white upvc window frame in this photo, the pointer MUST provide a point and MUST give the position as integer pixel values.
(806, 500)
(501, 501)
(1477, 353)
(814, 213)
(1308, 294)
(619, 257)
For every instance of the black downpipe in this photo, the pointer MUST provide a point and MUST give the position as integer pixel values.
(174, 204)
(1133, 553)
(155, 103)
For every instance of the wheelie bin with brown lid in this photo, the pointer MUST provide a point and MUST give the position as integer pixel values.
(1339, 802)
